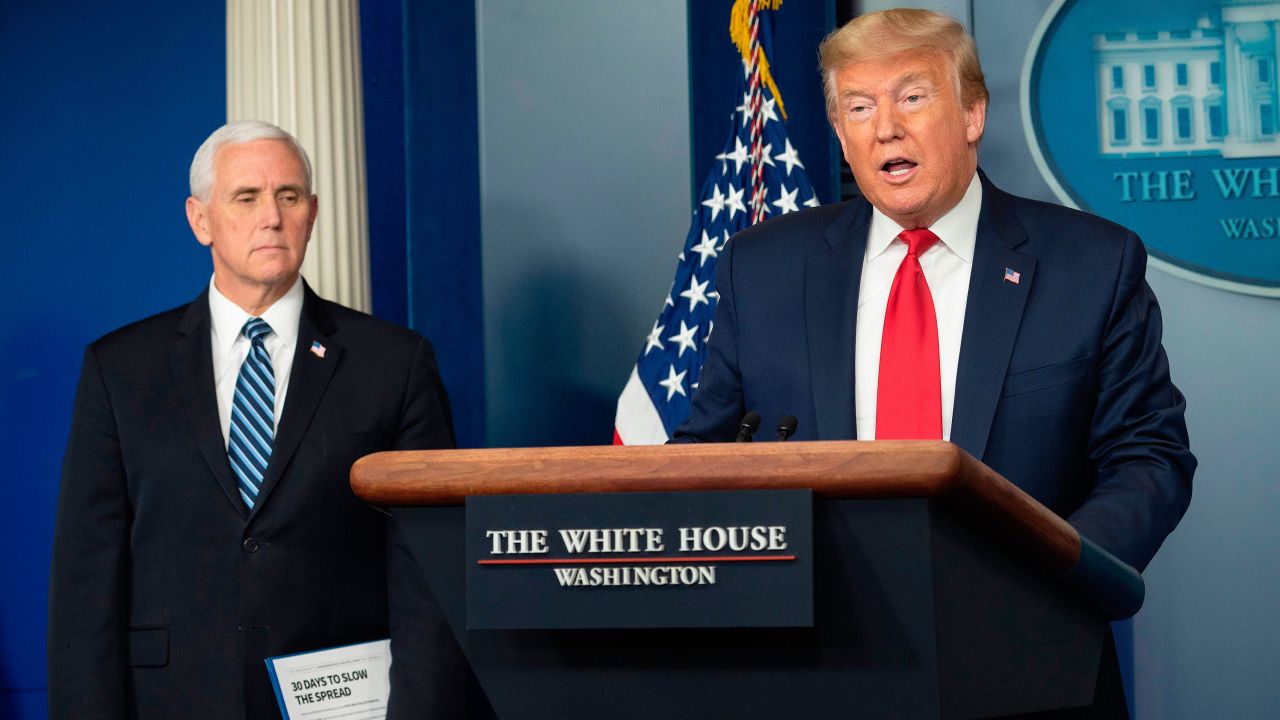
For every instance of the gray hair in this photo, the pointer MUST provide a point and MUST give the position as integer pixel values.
(234, 133)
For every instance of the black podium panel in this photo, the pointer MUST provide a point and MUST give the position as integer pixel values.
(916, 617)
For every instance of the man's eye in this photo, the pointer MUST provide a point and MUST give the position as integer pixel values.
(914, 98)
(245, 199)
(859, 111)
(289, 199)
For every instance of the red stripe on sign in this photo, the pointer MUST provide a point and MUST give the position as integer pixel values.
(598, 561)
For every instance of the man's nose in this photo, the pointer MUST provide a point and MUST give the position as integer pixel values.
(270, 214)
(888, 123)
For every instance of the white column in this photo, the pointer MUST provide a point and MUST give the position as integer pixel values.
(296, 63)
(1237, 88)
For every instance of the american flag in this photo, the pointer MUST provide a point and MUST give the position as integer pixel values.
(656, 398)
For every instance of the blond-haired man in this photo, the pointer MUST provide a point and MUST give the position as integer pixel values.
(938, 306)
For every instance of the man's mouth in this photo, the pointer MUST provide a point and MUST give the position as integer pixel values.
(897, 167)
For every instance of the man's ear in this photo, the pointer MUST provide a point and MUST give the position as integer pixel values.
(198, 219)
(315, 212)
(838, 129)
(975, 121)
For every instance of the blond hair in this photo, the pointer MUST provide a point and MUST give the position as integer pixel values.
(890, 32)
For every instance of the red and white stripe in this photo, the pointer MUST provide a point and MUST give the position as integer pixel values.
(636, 421)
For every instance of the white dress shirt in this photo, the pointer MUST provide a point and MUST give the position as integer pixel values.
(947, 267)
(231, 347)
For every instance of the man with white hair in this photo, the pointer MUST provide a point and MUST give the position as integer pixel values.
(205, 520)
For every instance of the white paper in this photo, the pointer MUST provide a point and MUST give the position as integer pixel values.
(351, 682)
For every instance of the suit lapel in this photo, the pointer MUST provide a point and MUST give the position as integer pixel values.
(991, 320)
(832, 277)
(191, 357)
(308, 380)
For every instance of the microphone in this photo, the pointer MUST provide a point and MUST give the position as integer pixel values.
(787, 427)
(750, 423)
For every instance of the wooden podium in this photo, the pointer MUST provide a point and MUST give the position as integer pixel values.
(940, 589)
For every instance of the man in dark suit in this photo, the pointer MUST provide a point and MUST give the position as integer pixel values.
(205, 520)
(939, 307)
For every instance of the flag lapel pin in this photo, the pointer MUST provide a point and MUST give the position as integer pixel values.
(1011, 275)
(317, 349)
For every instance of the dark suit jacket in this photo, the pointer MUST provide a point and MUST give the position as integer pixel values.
(166, 593)
(1063, 386)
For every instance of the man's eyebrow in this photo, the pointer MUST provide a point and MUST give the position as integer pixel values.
(255, 190)
(898, 84)
(911, 79)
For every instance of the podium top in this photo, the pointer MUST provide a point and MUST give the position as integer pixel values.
(932, 469)
(832, 469)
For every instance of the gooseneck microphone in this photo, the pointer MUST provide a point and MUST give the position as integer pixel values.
(787, 427)
(750, 423)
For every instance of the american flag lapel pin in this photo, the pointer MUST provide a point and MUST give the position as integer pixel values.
(318, 350)
(1010, 275)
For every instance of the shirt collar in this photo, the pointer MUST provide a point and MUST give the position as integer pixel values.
(228, 318)
(957, 228)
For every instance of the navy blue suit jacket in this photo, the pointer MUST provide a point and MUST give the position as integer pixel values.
(1062, 387)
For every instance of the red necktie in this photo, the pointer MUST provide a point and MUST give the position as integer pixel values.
(909, 392)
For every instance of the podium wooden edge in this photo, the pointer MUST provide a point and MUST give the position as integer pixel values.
(832, 469)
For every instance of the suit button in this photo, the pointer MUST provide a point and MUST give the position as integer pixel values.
(250, 545)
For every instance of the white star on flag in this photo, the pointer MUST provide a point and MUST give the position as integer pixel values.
(738, 156)
(697, 292)
(786, 200)
(790, 157)
(768, 109)
(674, 382)
(706, 248)
(715, 202)
(655, 337)
(685, 338)
(735, 201)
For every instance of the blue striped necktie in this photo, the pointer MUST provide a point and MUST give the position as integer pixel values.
(253, 413)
